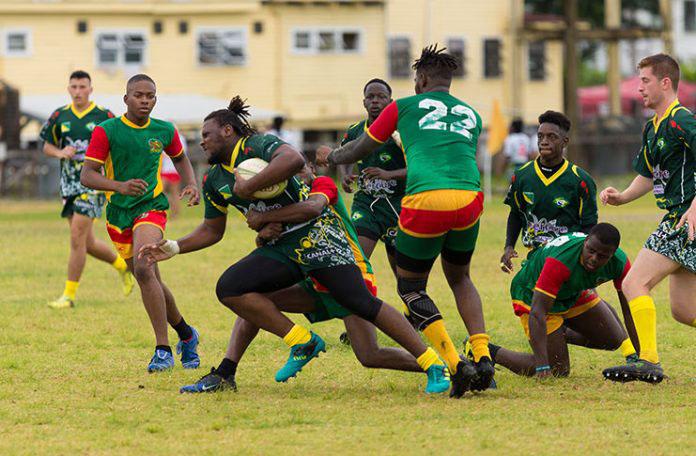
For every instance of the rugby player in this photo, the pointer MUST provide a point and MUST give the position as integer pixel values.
(441, 209)
(130, 149)
(66, 135)
(666, 164)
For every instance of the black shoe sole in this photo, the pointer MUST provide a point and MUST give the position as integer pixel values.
(627, 376)
(462, 378)
(484, 377)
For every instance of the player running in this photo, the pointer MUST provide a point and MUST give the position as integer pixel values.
(130, 149)
(549, 296)
(317, 249)
(66, 134)
(550, 197)
(666, 164)
(441, 209)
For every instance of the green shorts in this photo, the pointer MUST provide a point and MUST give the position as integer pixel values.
(673, 243)
(122, 218)
(89, 204)
(326, 306)
(377, 218)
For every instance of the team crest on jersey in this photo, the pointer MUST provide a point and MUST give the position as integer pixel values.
(156, 146)
(661, 143)
(90, 126)
(384, 157)
(357, 215)
(65, 127)
(560, 202)
(528, 197)
(225, 191)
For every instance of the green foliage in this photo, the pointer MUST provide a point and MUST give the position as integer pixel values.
(589, 76)
(688, 70)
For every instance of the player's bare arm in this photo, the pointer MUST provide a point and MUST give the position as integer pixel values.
(210, 232)
(285, 163)
(91, 177)
(374, 172)
(541, 305)
(349, 152)
(185, 170)
(268, 233)
(639, 187)
(66, 152)
(303, 211)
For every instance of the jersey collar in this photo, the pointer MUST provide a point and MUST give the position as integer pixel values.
(549, 180)
(230, 166)
(81, 114)
(668, 111)
(125, 120)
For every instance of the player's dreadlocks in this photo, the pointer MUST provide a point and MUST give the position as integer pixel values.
(436, 62)
(236, 115)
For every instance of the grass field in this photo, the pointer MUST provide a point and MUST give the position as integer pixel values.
(74, 382)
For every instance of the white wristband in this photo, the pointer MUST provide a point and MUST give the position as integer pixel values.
(170, 247)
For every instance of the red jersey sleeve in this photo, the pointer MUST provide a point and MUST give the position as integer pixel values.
(324, 185)
(618, 283)
(553, 276)
(383, 127)
(98, 149)
(175, 148)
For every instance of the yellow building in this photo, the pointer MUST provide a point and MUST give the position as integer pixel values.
(305, 59)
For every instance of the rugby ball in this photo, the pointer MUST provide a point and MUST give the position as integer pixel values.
(250, 168)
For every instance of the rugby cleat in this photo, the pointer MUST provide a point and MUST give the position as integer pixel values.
(641, 370)
(187, 350)
(462, 378)
(485, 370)
(300, 355)
(344, 338)
(62, 303)
(162, 360)
(210, 383)
(438, 379)
(127, 281)
(632, 358)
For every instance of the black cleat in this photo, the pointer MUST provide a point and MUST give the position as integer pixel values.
(210, 383)
(485, 370)
(641, 370)
(462, 378)
(344, 338)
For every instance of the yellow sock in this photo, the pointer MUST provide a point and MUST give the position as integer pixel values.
(70, 289)
(645, 320)
(436, 333)
(119, 264)
(297, 335)
(427, 359)
(627, 348)
(479, 345)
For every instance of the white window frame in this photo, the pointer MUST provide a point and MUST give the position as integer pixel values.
(314, 40)
(28, 41)
(501, 61)
(411, 44)
(207, 29)
(120, 51)
(466, 58)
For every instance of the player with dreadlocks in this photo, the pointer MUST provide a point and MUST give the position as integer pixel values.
(441, 208)
(316, 248)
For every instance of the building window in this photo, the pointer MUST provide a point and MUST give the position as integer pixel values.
(456, 47)
(537, 61)
(690, 16)
(491, 58)
(326, 41)
(222, 47)
(121, 48)
(399, 57)
(17, 43)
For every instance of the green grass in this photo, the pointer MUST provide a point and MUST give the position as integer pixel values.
(75, 381)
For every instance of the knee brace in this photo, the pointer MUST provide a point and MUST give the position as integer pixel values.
(420, 309)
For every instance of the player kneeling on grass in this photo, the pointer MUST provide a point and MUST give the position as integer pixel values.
(308, 297)
(318, 249)
(549, 294)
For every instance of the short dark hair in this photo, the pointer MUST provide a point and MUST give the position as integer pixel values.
(436, 62)
(606, 233)
(139, 77)
(235, 115)
(378, 81)
(663, 66)
(556, 118)
(79, 74)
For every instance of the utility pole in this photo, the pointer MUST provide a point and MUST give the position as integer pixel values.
(570, 86)
(518, 45)
(666, 14)
(612, 20)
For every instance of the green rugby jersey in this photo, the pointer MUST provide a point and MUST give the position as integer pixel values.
(439, 134)
(556, 270)
(552, 206)
(129, 151)
(388, 156)
(668, 157)
(69, 127)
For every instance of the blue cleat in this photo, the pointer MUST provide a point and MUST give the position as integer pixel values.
(162, 360)
(300, 355)
(438, 379)
(210, 383)
(187, 350)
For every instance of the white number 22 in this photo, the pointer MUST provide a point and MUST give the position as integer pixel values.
(431, 121)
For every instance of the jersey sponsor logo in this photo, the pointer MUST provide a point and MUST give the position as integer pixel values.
(225, 191)
(662, 174)
(385, 157)
(528, 197)
(357, 215)
(661, 143)
(90, 126)
(658, 189)
(64, 127)
(542, 230)
(156, 146)
(80, 146)
(261, 206)
(560, 202)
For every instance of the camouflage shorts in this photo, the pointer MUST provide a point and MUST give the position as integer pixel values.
(89, 204)
(674, 244)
